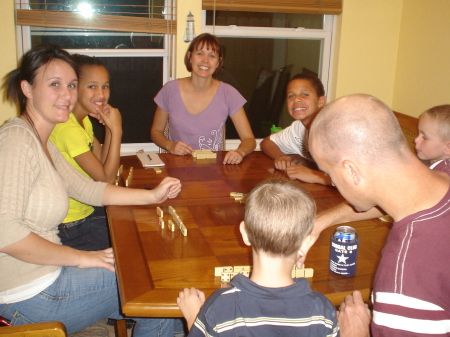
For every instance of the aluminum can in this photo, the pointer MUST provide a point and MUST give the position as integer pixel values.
(344, 251)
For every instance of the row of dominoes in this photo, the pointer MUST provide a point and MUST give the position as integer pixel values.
(170, 223)
(302, 272)
(130, 175)
(119, 173)
(241, 197)
(227, 273)
(204, 154)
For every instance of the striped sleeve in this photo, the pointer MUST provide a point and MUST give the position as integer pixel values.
(414, 316)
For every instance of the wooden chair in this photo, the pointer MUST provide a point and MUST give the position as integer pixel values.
(49, 329)
(409, 127)
(57, 329)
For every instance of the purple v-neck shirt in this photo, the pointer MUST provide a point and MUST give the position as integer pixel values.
(205, 130)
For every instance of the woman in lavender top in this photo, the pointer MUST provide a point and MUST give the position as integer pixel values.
(197, 106)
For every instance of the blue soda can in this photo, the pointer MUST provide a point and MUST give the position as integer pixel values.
(344, 251)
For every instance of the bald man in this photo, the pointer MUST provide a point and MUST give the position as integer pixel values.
(357, 141)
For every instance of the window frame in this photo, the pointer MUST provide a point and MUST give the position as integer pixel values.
(24, 44)
(326, 35)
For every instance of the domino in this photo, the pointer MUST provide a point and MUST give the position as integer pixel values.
(304, 272)
(227, 273)
(309, 272)
(196, 152)
(219, 270)
(171, 225)
(298, 273)
(160, 212)
(177, 220)
(161, 222)
(172, 211)
(183, 229)
(227, 277)
(206, 155)
(130, 176)
(241, 197)
(117, 181)
(158, 170)
(119, 171)
(241, 268)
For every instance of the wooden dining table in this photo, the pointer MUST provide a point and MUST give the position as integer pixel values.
(154, 264)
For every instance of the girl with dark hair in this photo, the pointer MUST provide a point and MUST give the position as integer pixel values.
(85, 227)
(43, 280)
(198, 106)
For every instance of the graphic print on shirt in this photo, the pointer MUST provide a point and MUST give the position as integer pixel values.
(303, 147)
(213, 143)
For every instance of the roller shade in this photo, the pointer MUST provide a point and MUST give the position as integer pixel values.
(332, 7)
(72, 20)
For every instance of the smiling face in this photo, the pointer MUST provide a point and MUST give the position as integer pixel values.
(53, 94)
(93, 89)
(204, 61)
(302, 101)
(429, 143)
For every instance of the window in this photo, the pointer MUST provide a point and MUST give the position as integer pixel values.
(138, 62)
(262, 51)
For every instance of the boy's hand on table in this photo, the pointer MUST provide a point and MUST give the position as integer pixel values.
(283, 162)
(301, 173)
(190, 301)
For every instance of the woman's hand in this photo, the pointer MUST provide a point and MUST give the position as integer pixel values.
(169, 188)
(233, 157)
(97, 259)
(180, 148)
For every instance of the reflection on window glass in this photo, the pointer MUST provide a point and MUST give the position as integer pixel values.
(82, 39)
(260, 69)
(92, 39)
(259, 19)
(141, 8)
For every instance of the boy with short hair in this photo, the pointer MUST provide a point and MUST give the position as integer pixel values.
(305, 97)
(433, 141)
(279, 216)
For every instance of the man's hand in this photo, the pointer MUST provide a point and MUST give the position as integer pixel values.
(354, 316)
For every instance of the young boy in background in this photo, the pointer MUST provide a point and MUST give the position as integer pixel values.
(433, 141)
(279, 217)
(305, 97)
